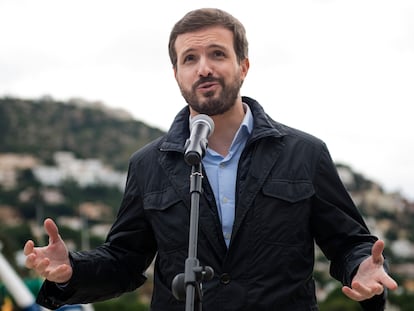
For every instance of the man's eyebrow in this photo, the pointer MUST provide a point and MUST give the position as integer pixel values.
(213, 45)
(216, 45)
(189, 50)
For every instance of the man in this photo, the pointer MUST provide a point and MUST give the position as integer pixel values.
(270, 192)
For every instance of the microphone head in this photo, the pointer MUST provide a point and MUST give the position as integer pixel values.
(202, 118)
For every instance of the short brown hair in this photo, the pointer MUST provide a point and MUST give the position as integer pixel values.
(201, 18)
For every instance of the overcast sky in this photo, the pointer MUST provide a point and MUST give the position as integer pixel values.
(341, 70)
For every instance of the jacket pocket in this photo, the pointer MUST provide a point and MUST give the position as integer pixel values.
(288, 190)
(169, 218)
(160, 200)
(285, 210)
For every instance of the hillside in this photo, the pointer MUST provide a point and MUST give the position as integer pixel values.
(89, 130)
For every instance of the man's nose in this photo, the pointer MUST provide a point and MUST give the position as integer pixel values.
(204, 68)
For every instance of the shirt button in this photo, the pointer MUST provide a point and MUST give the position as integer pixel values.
(225, 278)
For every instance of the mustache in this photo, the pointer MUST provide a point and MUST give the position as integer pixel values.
(207, 79)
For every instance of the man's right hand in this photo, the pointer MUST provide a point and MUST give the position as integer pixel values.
(51, 261)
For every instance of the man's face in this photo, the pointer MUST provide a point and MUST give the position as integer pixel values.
(207, 72)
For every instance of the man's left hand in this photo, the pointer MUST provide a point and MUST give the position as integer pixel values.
(371, 277)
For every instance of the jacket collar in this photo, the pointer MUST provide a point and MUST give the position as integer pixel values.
(263, 125)
(179, 131)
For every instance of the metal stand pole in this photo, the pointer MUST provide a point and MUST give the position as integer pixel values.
(187, 285)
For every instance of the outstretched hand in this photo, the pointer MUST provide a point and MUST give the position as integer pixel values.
(51, 261)
(371, 278)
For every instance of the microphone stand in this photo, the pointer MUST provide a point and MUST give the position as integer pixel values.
(187, 286)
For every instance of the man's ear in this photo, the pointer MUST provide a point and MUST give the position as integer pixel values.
(175, 72)
(245, 65)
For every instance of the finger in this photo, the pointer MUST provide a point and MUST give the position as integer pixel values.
(61, 274)
(350, 293)
(42, 266)
(52, 230)
(363, 290)
(389, 282)
(377, 290)
(30, 261)
(377, 250)
(28, 247)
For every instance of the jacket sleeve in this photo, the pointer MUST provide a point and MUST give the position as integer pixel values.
(339, 228)
(113, 268)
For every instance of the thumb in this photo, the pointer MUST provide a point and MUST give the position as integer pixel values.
(377, 250)
(52, 230)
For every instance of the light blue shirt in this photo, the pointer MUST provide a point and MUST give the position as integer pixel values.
(222, 173)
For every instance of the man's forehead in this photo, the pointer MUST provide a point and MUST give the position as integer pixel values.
(205, 37)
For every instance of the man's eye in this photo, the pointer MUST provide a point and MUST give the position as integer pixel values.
(189, 58)
(219, 54)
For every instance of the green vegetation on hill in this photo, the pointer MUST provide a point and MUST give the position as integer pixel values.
(41, 127)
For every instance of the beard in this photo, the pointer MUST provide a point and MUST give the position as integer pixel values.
(210, 104)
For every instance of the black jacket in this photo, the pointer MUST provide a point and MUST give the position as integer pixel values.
(289, 196)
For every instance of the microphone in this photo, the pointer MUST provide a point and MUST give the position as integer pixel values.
(201, 127)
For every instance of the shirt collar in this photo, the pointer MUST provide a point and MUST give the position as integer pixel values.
(244, 131)
(247, 122)
(248, 119)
